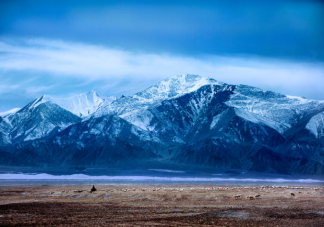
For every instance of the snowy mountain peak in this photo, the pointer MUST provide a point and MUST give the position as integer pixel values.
(168, 88)
(174, 86)
(84, 104)
(81, 105)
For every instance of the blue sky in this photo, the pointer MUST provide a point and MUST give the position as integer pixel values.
(63, 48)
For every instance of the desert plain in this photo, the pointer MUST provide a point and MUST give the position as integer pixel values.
(162, 205)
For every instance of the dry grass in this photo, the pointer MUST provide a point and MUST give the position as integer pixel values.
(161, 206)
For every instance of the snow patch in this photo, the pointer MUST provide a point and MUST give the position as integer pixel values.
(3, 114)
(178, 140)
(316, 125)
(298, 99)
(140, 118)
(259, 120)
(217, 118)
(95, 131)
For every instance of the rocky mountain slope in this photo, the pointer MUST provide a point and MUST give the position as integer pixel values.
(185, 119)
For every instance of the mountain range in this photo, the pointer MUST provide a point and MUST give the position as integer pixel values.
(185, 119)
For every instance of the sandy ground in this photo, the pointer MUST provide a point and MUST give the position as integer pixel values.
(135, 205)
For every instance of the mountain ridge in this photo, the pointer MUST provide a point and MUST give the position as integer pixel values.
(186, 119)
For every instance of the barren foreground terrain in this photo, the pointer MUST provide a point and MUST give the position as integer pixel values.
(135, 205)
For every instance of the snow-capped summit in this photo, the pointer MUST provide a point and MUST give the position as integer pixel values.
(168, 88)
(173, 87)
(84, 104)
(81, 105)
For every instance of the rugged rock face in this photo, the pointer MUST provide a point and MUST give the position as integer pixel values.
(185, 119)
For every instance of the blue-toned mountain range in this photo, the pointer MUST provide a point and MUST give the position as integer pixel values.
(185, 119)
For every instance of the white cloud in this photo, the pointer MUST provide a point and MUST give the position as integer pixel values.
(4, 88)
(90, 62)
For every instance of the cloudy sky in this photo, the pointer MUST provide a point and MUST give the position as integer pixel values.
(63, 48)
